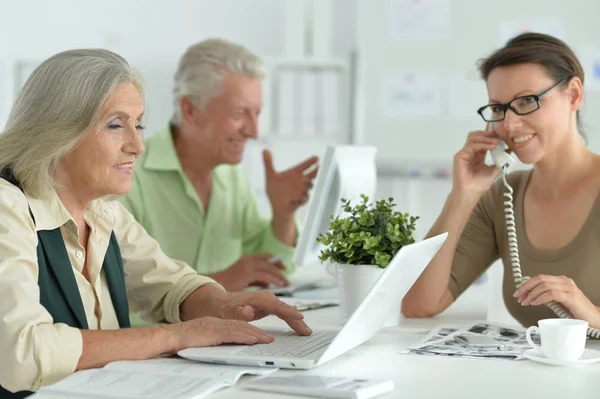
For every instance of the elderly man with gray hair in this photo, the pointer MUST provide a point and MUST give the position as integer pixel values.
(188, 190)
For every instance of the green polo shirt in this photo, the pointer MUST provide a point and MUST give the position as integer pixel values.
(165, 203)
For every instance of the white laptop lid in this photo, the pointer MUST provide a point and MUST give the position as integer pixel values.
(402, 272)
(398, 277)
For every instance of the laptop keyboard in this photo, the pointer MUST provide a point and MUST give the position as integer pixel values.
(292, 345)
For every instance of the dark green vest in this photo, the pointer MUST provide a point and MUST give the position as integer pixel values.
(58, 289)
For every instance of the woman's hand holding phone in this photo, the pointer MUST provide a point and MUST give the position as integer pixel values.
(470, 173)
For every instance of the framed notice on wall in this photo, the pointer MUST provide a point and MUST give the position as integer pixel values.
(22, 70)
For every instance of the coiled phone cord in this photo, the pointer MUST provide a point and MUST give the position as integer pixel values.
(513, 249)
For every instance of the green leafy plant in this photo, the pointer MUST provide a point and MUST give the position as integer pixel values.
(368, 235)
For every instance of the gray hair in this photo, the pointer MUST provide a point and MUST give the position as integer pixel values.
(59, 102)
(202, 69)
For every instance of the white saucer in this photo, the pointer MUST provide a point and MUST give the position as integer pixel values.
(589, 356)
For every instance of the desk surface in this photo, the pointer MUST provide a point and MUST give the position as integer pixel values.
(436, 377)
(441, 377)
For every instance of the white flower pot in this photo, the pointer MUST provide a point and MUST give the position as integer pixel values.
(354, 282)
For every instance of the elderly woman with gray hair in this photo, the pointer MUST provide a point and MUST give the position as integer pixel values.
(72, 260)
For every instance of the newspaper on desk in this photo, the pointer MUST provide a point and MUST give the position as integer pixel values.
(441, 342)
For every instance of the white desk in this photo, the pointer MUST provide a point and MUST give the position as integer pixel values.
(440, 377)
(433, 376)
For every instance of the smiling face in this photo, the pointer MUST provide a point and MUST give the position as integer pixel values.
(102, 163)
(229, 120)
(532, 137)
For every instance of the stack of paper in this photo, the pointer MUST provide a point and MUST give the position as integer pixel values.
(155, 378)
(441, 341)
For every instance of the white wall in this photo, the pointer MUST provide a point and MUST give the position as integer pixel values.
(151, 35)
(421, 91)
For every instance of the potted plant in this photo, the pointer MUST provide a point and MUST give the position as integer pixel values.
(360, 244)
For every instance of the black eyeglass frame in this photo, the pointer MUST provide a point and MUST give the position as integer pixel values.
(509, 104)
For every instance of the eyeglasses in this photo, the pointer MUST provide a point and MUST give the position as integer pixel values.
(521, 105)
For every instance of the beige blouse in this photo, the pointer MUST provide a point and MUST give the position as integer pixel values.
(35, 350)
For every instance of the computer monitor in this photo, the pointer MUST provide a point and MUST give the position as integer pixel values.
(346, 171)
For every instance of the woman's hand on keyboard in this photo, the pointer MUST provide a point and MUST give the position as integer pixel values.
(249, 306)
(212, 331)
(212, 300)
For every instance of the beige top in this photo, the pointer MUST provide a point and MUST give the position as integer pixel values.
(484, 240)
(35, 350)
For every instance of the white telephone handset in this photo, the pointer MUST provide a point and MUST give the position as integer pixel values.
(504, 161)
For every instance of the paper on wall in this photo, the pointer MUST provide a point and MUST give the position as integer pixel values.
(548, 25)
(590, 60)
(288, 104)
(265, 118)
(23, 70)
(419, 20)
(465, 94)
(308, 103)
(410, 95)
(330, 102)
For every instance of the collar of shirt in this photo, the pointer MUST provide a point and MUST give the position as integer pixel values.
(161, 156)
(50, 213)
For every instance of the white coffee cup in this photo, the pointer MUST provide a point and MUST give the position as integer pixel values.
(562, 339)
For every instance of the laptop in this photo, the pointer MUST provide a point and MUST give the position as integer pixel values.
(292, 351)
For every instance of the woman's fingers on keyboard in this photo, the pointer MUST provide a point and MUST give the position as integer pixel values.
(292, 317)
(243, 333)
(265, 303)
(211, 331)
(296, 324)
(299, 326)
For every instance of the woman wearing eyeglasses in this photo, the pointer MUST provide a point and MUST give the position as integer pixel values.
(535, 88)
